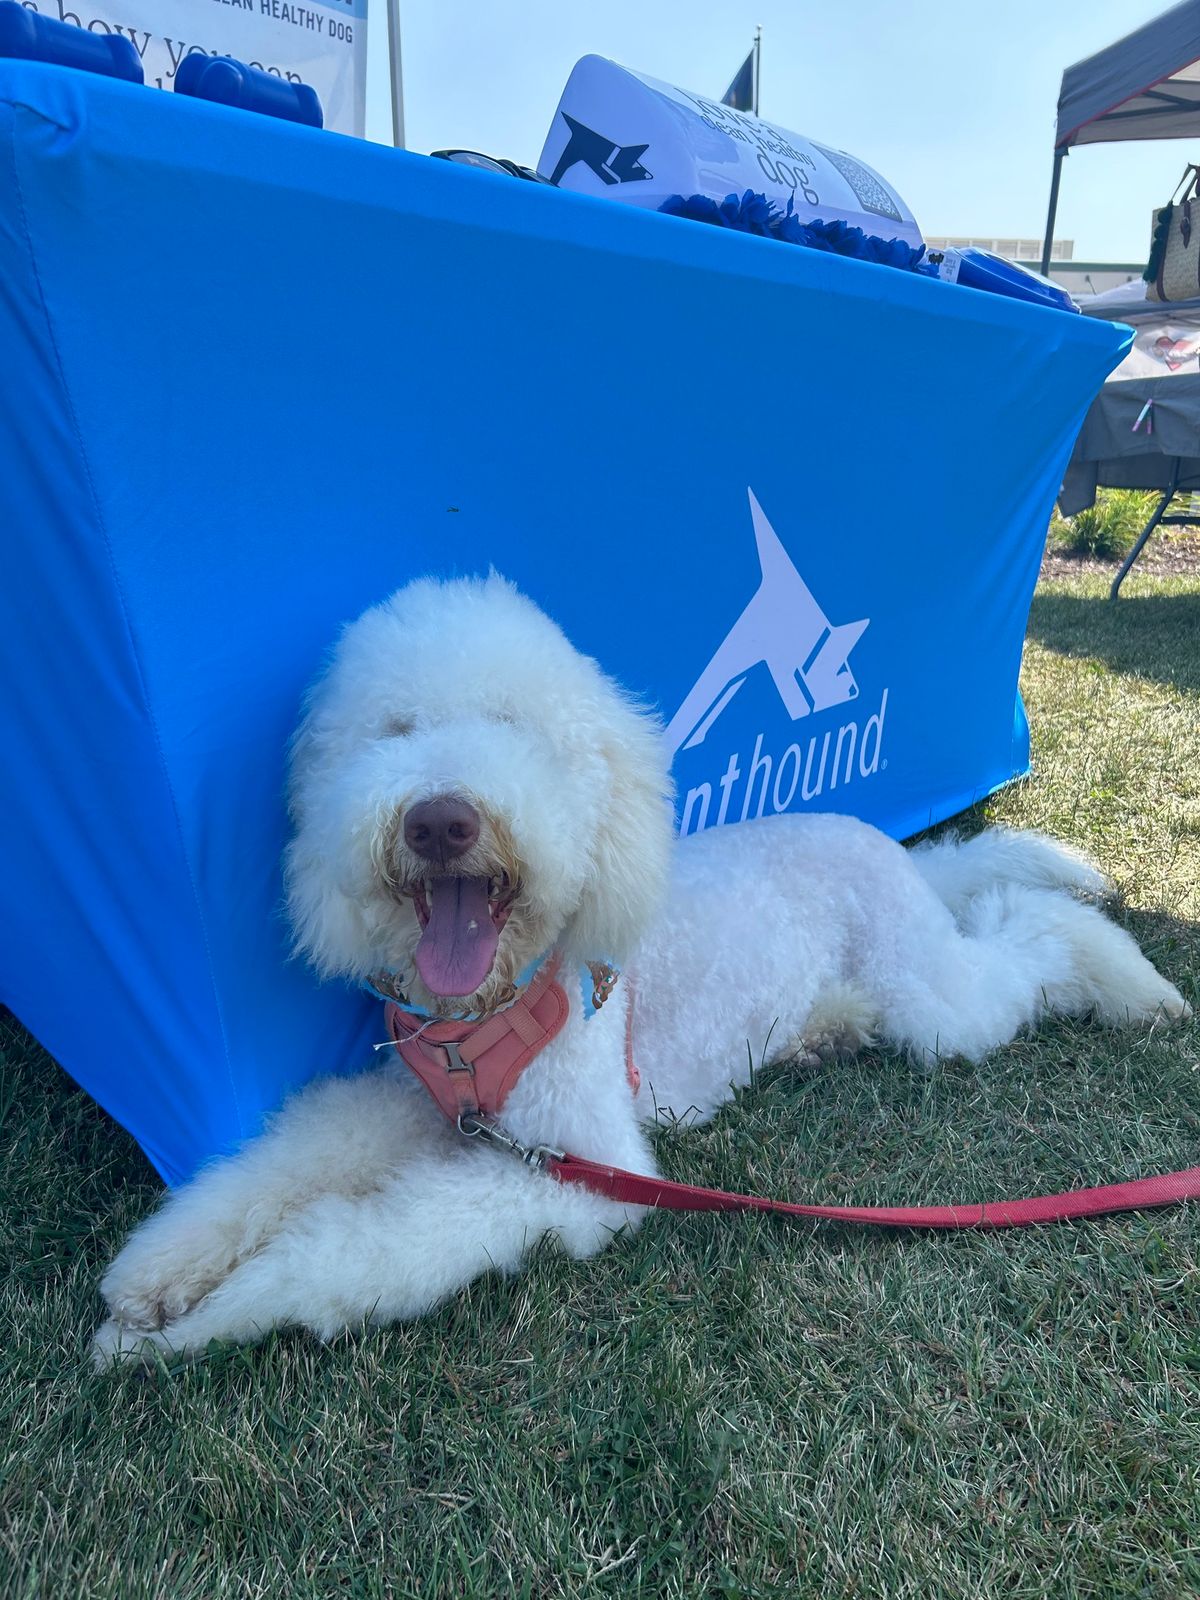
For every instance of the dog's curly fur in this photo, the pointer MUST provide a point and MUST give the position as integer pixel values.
(360, 1203)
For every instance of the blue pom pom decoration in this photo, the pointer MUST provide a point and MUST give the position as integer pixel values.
(754, 213)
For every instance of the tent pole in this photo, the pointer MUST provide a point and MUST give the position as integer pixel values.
(397, 77)
(1053, 211)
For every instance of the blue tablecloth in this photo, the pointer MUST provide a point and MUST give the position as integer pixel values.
(255, 377)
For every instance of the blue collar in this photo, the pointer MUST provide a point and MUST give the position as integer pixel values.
(596, 981)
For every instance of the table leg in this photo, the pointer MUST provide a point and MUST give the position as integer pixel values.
(1155, 519)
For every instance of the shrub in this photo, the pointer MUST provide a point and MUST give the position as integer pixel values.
(1107, 529)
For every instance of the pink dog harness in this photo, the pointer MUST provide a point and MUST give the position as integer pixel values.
(470, 1067)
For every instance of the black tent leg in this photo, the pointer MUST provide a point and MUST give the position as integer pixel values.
(1053, 211)
(1155, 519)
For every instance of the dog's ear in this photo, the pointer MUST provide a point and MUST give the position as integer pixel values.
(331, 926)
(631, 850)
(328, 867)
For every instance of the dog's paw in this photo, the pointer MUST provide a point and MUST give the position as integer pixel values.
(843, 1021)
(156, 1277)
(1148, 999)
(1173, 1007)
(805, 1059)
(115, 1345)
(826, 1050)
(146, 1304)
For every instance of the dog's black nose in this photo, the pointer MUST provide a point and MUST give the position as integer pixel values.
(441, 829)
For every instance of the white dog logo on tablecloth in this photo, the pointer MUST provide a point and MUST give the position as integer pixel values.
(784, 627)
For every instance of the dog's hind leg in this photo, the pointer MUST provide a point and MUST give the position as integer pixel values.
(339, 1136)
(1020, 954)
(444, 1219)
(844, 1020)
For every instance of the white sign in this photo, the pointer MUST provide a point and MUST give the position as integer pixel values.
(631, 138)
(320, 42)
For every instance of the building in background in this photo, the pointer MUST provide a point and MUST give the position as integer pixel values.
(1078, 278)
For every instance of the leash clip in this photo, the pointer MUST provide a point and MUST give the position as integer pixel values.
(535, 1156)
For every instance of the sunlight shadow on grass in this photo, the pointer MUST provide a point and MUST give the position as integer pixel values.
(1144, 635)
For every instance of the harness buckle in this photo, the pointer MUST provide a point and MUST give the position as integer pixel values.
(455, 1062)
(535, 1156)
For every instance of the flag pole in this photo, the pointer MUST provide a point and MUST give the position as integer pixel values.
(757, 62)
(393, 12)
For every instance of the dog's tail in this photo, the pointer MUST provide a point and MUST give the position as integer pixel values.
(1021, 952)
(959, 870)
(1029, 946)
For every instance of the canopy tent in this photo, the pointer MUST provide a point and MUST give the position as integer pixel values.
(1146, 86)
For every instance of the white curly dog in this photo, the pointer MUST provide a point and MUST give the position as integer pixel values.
(470, 795)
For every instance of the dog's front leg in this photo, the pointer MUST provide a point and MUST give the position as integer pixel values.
(447, 1217)
(339, 1136)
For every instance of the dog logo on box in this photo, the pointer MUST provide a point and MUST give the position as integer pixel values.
(611, 162)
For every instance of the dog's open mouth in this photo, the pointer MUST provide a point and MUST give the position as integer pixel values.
(461, 919)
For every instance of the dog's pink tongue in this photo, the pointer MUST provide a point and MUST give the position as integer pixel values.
(458, 945)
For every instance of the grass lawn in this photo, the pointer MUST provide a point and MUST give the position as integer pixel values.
(723, 1407)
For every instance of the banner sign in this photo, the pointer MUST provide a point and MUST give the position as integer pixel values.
(319, 42)
(632, 138)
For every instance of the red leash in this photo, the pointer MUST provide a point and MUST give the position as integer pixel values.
(1141, 1193)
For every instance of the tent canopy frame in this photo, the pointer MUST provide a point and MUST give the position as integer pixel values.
(1145, 86)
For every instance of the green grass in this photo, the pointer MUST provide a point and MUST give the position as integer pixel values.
(722, 1407)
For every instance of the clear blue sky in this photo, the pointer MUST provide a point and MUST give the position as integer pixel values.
(954, 103)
